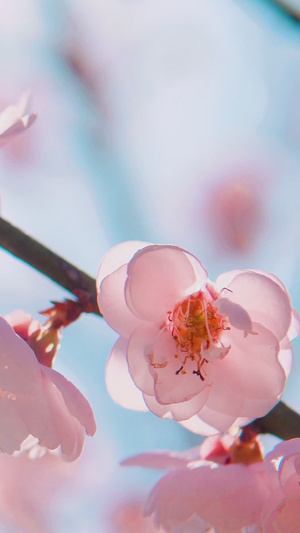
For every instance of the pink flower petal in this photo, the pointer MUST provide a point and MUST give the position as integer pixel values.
(68, 429)
(158, 278)
(161, 459)
(158, 409)
(15, 118)
(294, 328)
(285, 356)
(118, 380)
(112, 305)
(251, 366)
(237, 315)
(221, 422)
(13, 429)
(227, 497)
(198, 426)
(185, 410)
(139, 349)
(76, 403)
(118, 256)
(19, 368)
(264, 300)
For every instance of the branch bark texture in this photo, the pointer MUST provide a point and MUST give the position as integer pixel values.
(48, 263)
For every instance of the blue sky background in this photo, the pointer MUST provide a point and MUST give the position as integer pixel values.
(146, 111)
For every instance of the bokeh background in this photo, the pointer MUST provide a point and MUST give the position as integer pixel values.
(169, 121)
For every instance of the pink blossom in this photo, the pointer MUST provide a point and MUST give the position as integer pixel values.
(281, 512)
(127, 517)
(226, 496)
(37, 400)
(209, 355)
(15, 118)
(28, 488)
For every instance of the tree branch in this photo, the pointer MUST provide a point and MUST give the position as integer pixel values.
(282, 422)
(48, 263)
(289, 10)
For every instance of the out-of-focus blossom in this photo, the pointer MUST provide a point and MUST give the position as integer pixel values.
(37, 400)
(43, 339)
(227, 483)
(27, 489)
(281, 512)
(235, 213)
(208, 355)
(15, 118)
(128, 517)
(225, 495)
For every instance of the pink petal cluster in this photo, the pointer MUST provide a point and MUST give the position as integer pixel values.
(15, 119)
(37, 400)
(221, 496)
(209, 355)
(206, 483)
(281, 512)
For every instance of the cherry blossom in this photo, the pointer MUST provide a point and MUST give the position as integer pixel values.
(209, 355)
(28, 488)
(223, 494)
(281, 512)
(36, 400)
(15, 118)
(227, 484)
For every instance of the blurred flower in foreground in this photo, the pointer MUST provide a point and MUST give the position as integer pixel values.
(14, 119)
(223, 482)
(281, 512)
(128, 517)
(227, 483)
(208, 355)
(27, 488)
(37, 400)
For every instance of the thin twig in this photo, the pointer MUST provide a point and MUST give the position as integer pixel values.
(48, 263)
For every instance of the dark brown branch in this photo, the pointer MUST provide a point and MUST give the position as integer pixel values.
(282, 422)
(48, 263)
(289, 10)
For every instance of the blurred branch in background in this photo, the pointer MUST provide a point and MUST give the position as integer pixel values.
(291, 7)
(49, 263)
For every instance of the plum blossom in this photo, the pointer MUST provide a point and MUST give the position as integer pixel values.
(15, 118)
(281, 512)
(226, 483)
(28, 488)
(36, 400)
(209, 355)
(220, 486)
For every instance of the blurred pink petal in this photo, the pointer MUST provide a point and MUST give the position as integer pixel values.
(210, 482)
(281, 512)
(36, 400)
(197, 350)
(27, 489)
(15, 119)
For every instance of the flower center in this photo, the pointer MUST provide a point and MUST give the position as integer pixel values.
(196, 327)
